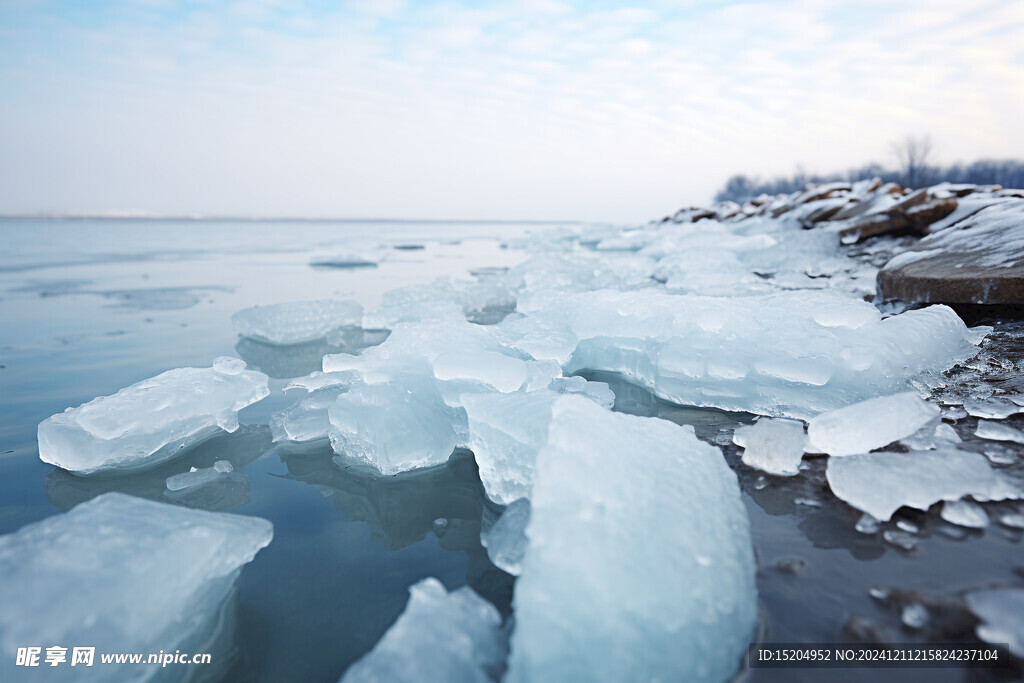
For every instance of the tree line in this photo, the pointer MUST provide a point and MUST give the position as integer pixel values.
(911, 170)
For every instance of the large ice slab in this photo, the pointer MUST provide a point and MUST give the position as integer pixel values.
(785, 355)
(125, 574)
(152, 421)
(639, 565)
(300, 321)
(874, 423)
(440, 636)
(881, 483)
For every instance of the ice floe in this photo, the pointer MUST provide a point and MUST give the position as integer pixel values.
(300, 321)
(123, 574)
(871, 424)
(1001, 611)
(150, 422)
(881, 483)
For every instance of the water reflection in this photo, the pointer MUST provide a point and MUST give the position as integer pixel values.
(65, 490)
(401, 510)
(296, 360)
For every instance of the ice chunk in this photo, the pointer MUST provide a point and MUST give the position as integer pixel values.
(506, 432)
(227, 365)
(396, 426)
(598, 392)
(915, 616)
(871, 424)
(1001, 611)
(643, 594)
(506, 540)
(867, 524)
(964, 513)
(880, 483)
(442, 636)
(299, 322)
(769, 355)
(198, 477)
(150, 422)
(997, 431)
(992, 408)
(772, 446)
(132, 575)
(307, 420)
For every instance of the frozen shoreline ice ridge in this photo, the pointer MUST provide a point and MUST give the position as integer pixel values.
(152, 421)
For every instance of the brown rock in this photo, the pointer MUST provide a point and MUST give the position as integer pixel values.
(871, 225)
(923, 215)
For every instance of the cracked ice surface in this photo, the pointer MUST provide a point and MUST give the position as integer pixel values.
(670, 601)
(881, 483)
(440, 636)
(125, 574)
(150, 422)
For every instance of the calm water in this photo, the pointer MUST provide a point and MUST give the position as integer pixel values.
(89, 307)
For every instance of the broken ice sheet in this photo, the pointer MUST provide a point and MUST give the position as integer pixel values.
(874, 423)
(441, 636)
(772, 446)
(131, 575)
(150, 422)
(881, 483)
(657, 600)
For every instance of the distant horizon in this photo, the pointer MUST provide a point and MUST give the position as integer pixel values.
(143, 216)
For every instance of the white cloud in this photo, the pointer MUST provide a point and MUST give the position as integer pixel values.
(522, 109)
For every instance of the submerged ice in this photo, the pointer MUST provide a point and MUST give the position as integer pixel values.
(300, 321)
(152, 421)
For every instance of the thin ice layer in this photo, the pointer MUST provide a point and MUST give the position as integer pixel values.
(772, 446)
(150, 422)
(659, 580)
(881, 483)
(125, 574)
(791, 355)
(871, 424)
(298, 322)
(440, 636)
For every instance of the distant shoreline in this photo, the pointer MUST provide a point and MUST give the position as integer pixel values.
(264, 219)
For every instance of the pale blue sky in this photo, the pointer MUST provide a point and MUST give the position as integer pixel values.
(527, 109)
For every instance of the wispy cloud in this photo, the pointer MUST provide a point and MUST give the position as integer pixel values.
(506, 109)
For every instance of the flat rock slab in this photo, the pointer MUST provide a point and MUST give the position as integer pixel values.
(977, 261)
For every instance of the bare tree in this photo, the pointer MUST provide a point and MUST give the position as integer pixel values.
(912, 154)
